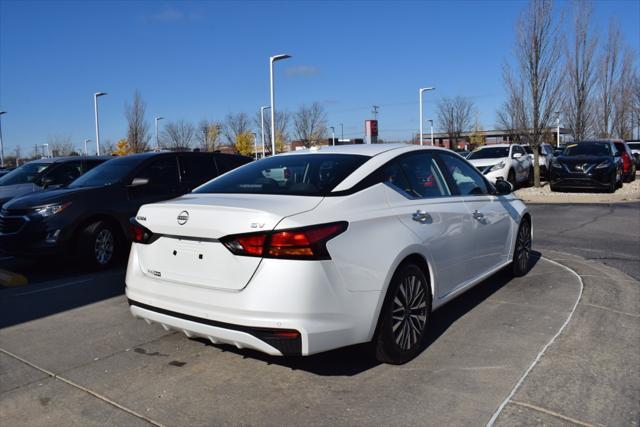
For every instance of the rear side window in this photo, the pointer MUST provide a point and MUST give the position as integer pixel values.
(162, 173)
(197, 169)
(303, 175)
(418, 175)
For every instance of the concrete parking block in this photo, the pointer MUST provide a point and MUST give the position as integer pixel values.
(11, 279)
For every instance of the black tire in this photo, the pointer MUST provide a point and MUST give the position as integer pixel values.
(511, 177)
(404, 317)
(531, 178)
(522, 253)
(553, 187)
(99, 245)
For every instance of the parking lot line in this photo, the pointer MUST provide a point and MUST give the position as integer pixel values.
(82, 388)
(11, 279)
(544, 349)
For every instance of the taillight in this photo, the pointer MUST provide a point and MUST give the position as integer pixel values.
(140, 234)
(297, 243)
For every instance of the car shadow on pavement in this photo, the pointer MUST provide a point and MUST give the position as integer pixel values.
(355, 359)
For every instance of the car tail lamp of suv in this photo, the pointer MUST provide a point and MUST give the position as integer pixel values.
(307, 243)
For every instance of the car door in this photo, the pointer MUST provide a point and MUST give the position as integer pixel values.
(163, 184)
(422, 200)
(491, 224)
(521, 162)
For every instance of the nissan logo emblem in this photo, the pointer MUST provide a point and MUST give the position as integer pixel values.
(183, 217)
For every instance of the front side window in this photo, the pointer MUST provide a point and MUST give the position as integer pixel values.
(466, 178)
(300, 174)
(418, 175)
(63, 174)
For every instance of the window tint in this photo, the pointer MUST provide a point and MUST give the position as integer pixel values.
(62, 174)
(161, 173)
(466, 178)
(197, 169)
(228, 162)
(588, 149)
(28, 172)
(422, 176)
(299, 174)
(90, 164)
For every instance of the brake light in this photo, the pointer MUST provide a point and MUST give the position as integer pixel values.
(297, 243)
(139, 233)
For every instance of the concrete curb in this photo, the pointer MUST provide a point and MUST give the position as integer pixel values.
(590, 375)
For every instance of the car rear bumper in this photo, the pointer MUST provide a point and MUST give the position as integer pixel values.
(282, 296)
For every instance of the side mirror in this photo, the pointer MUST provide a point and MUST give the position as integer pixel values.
(138, 182)
(516, 155)
(503, 187)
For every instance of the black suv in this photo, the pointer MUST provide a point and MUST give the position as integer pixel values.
(38, 175)
(90, 216)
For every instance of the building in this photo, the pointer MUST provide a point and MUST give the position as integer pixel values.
(441, 139)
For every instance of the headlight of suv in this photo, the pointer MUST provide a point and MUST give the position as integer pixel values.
(604, 164)
(49, 210)
(556, 165)
(497, 167)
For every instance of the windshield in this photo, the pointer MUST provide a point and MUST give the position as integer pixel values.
(24, 174)
(107, 173)
(591, 149)
(634, 145)
(489, 153)
(302, 175)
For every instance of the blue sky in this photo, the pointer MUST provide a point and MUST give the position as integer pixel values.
(204, 59)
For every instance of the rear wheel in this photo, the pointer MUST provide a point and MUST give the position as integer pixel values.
(613, 184)
(522, 252)
(99, 245)
(404, 316)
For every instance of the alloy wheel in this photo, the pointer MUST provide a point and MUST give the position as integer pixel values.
(523, 246)
(104, 246)
(409, 312)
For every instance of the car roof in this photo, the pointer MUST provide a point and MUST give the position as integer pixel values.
(68, 159)
(369, 150)
(496, 146)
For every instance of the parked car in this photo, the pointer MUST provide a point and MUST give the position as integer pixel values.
(503, 161)
(587, 165)
(90, 216)
(463, 153)
(41, 174)
(545, 155)
(635, 150)
(4, 171)
(628, 161)
(362, 247)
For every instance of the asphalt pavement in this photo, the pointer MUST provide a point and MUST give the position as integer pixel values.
(609, 234)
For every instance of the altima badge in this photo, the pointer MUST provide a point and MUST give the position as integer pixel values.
(183, 217)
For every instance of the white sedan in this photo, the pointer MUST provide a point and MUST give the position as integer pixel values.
(508, 162)
(353, 244)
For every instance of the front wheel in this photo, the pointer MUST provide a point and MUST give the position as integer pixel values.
(511, 177)
(404, 316)
(99, 245)
(522, 253)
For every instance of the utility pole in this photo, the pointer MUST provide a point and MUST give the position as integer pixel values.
(375, 112)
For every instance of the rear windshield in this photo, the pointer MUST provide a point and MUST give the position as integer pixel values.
(591, 149)
(26, 173)
(301, 175)
(489, 153)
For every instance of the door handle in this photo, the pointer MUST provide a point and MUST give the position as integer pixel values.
(421, 216)
(477, 214)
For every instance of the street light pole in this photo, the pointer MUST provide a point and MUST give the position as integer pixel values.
(95, 107)
(333, 135)
(264, 107)
(558, 129)
(273, 59)
(48, 154)
(158, 140)
(431, 123)
(1, 143)
(420, 92)
(86, 152)
(255, 145)
(341, 131)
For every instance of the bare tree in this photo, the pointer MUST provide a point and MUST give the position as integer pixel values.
(454, 116)
(107, 148)
(235, 125)
(578, 107)
(512, 116)
(177, 136)
(60, 145)
(623, 113)
(137, 128)
(282, 124)
(208, 135)
(310, 124)
(539, 72)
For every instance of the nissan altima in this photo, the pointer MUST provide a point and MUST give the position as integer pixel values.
(318, 249)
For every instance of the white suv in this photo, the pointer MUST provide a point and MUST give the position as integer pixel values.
(503, 161)
(545, 155)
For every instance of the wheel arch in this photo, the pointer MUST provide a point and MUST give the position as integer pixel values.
(109, 219)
